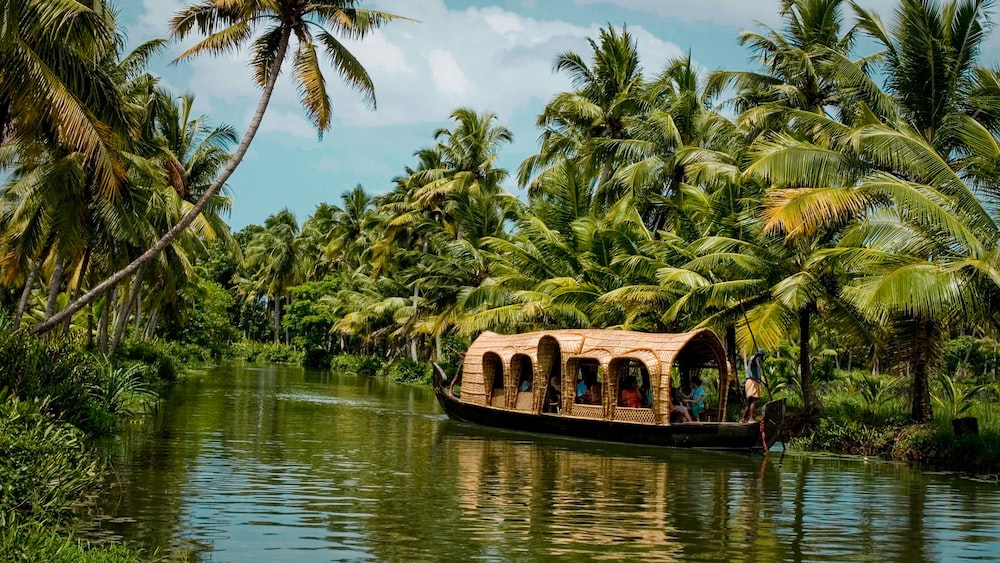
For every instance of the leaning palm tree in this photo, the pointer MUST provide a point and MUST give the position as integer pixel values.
(289, 27)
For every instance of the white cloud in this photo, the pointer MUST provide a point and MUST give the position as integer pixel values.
(740, 13)
(487, 58)
(447, 74)
(155, 18)
(504, 23)
(735, 12)
(289, 122)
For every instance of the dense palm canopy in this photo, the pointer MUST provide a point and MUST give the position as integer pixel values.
(838, 203)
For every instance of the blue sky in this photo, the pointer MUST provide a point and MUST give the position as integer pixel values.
(490, 55)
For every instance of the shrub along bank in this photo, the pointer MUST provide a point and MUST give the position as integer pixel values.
(869, 415)
(53, 396)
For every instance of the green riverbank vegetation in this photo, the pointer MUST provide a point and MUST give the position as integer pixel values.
(834, 204)
(53, 398)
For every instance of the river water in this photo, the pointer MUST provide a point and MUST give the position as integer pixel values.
(273, 463)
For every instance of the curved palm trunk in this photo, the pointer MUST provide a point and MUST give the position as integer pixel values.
(102, 327)
(22, 303)
(921, 400)
(188, 218)
(54, 285)
(122, 319)
(84, 264)
(809, 397)
(150, 330)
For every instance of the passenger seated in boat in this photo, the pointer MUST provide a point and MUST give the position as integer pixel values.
(553, 396)
(588, 391)
(629, 396)
(678, 412)
(645, 389)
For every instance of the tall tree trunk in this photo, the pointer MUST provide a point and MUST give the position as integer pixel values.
(54, 286)
(921, 400)
(90, 326)
(22, 303)
(122, 319)
(150, 331)
(812, 405)
(288, 331)
(137, 327)
(102, 327)
(277, 320)
(189, 217)
(68, 324)
(412, 339)
(731, 346)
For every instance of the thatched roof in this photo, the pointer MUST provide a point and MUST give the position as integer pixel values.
(657, 351)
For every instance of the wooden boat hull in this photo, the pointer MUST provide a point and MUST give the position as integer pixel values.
(702, 435)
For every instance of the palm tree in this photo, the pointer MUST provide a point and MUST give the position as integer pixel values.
(231, 24)
(799, 65)
(52, 93)
(465, 156)
(190, 152)
(907, 181)
(678, 132)
(608, 92)
(273, 258)
(349, 239)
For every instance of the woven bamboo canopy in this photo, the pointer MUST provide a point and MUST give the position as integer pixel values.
(496, 364)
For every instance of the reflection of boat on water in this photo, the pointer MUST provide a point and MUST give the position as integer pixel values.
(587, 500)
(535, 381)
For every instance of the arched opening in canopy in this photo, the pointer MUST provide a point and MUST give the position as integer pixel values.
(493, 376)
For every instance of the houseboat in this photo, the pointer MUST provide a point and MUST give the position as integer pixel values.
(570, 382)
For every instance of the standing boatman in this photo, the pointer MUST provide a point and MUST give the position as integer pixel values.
(755, 376)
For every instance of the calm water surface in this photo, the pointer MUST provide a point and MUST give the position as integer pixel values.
(265, 463)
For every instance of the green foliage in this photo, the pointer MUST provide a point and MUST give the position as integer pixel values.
(954, 397)
(406, 371)
(960, 355)
(45, 466)
(80, 388)
(155, 353)
(848, 436)
(34, 368)
(122, 392)
(167, 357)
(876, 400)
(253, 319)
(219, 263)
(310, 317)
(877, 391)
(356, 365)
(922, 444)
(266, 352)
(205, 322)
